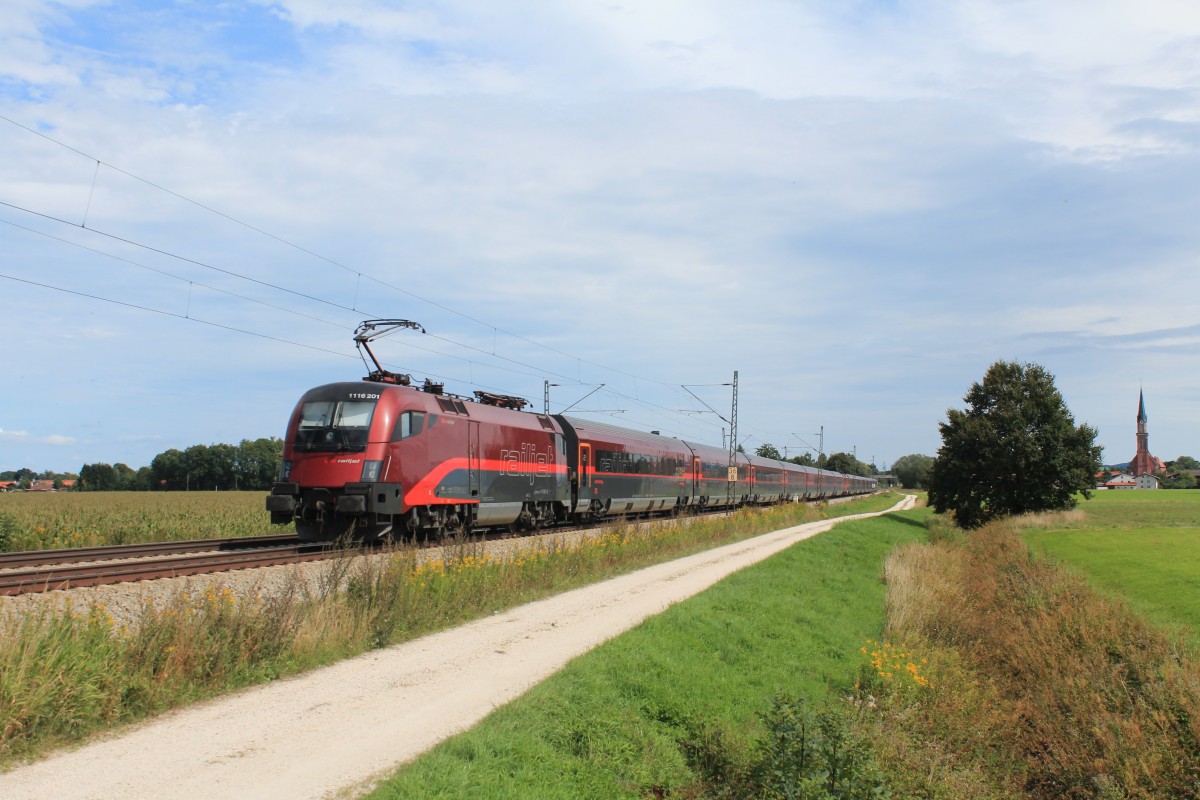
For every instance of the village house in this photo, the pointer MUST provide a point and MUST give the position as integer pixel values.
(1124, 480)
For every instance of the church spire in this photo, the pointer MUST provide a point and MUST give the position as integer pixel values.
(1143, 462)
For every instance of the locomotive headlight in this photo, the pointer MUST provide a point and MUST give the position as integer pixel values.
(285, 470)
(371, 469)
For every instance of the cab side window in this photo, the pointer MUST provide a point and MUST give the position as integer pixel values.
(409, 424)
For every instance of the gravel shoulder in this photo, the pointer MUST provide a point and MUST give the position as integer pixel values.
(333, 732)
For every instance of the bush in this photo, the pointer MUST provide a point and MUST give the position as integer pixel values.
(814, 754)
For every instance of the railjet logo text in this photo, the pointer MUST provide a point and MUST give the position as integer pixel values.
(527, 462)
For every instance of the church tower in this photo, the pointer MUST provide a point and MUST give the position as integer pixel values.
(1143, 463)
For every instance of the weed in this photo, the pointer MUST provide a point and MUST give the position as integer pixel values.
(814, 753)
(8, 527)
(941, 528)
(1050, 685)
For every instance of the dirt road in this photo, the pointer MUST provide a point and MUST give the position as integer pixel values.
(334, 731)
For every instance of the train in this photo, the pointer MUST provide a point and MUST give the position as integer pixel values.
(382, 459)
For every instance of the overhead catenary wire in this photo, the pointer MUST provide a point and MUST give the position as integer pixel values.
(320, 300)
(265, 284)
(231, 328)
(539, 370)
(321, 257)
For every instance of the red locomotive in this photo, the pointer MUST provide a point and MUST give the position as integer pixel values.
(382, 458)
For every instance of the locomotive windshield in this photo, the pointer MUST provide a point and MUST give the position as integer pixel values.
(334, 424)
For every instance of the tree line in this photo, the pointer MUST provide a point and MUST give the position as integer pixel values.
(25, 476)
(250, 465)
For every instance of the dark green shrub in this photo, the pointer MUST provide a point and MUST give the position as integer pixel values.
(815, 754)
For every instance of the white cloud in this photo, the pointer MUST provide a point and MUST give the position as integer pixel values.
(25, 437)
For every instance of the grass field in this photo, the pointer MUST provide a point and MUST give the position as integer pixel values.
(1144, 546)
(659, 710)
(53, 520)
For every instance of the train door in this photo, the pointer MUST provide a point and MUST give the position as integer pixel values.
(696, 476)
(585, 466)
(473, 458)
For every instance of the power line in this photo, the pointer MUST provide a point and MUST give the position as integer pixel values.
(171, 314)
(319, 256)
(338, 306)
(266, 284)
(542, 372)
(233, 329)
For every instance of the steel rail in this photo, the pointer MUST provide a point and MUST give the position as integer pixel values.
(29, 558)
(53, 577)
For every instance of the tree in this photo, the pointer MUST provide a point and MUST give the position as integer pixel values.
(1180, 480)
(170, 471)
(257, 463)
(126, 476)
(804, 460)
(99, 478)
(1015, 449)
(1185, 462)
(846, 464)
(913, 470)
(767, 450)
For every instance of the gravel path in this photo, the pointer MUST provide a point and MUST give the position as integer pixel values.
(333, 732)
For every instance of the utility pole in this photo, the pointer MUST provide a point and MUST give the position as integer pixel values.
(733, 437)
(733, 415)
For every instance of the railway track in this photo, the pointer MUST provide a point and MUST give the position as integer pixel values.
(38, 571)
(47, 570)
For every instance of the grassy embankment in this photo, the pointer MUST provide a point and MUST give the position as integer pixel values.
(1041, 684)
(672, 708)
(1001, 676)
(53, 520)
(64, 677)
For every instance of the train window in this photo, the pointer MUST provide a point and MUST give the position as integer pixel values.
(334, 424)
(409, 424)
(316, 415)
(335, 414)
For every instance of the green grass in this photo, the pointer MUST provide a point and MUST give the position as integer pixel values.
(665, 706)
(1142, 509)
(1142, 545)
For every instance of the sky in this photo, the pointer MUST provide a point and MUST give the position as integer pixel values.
(856, 206)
